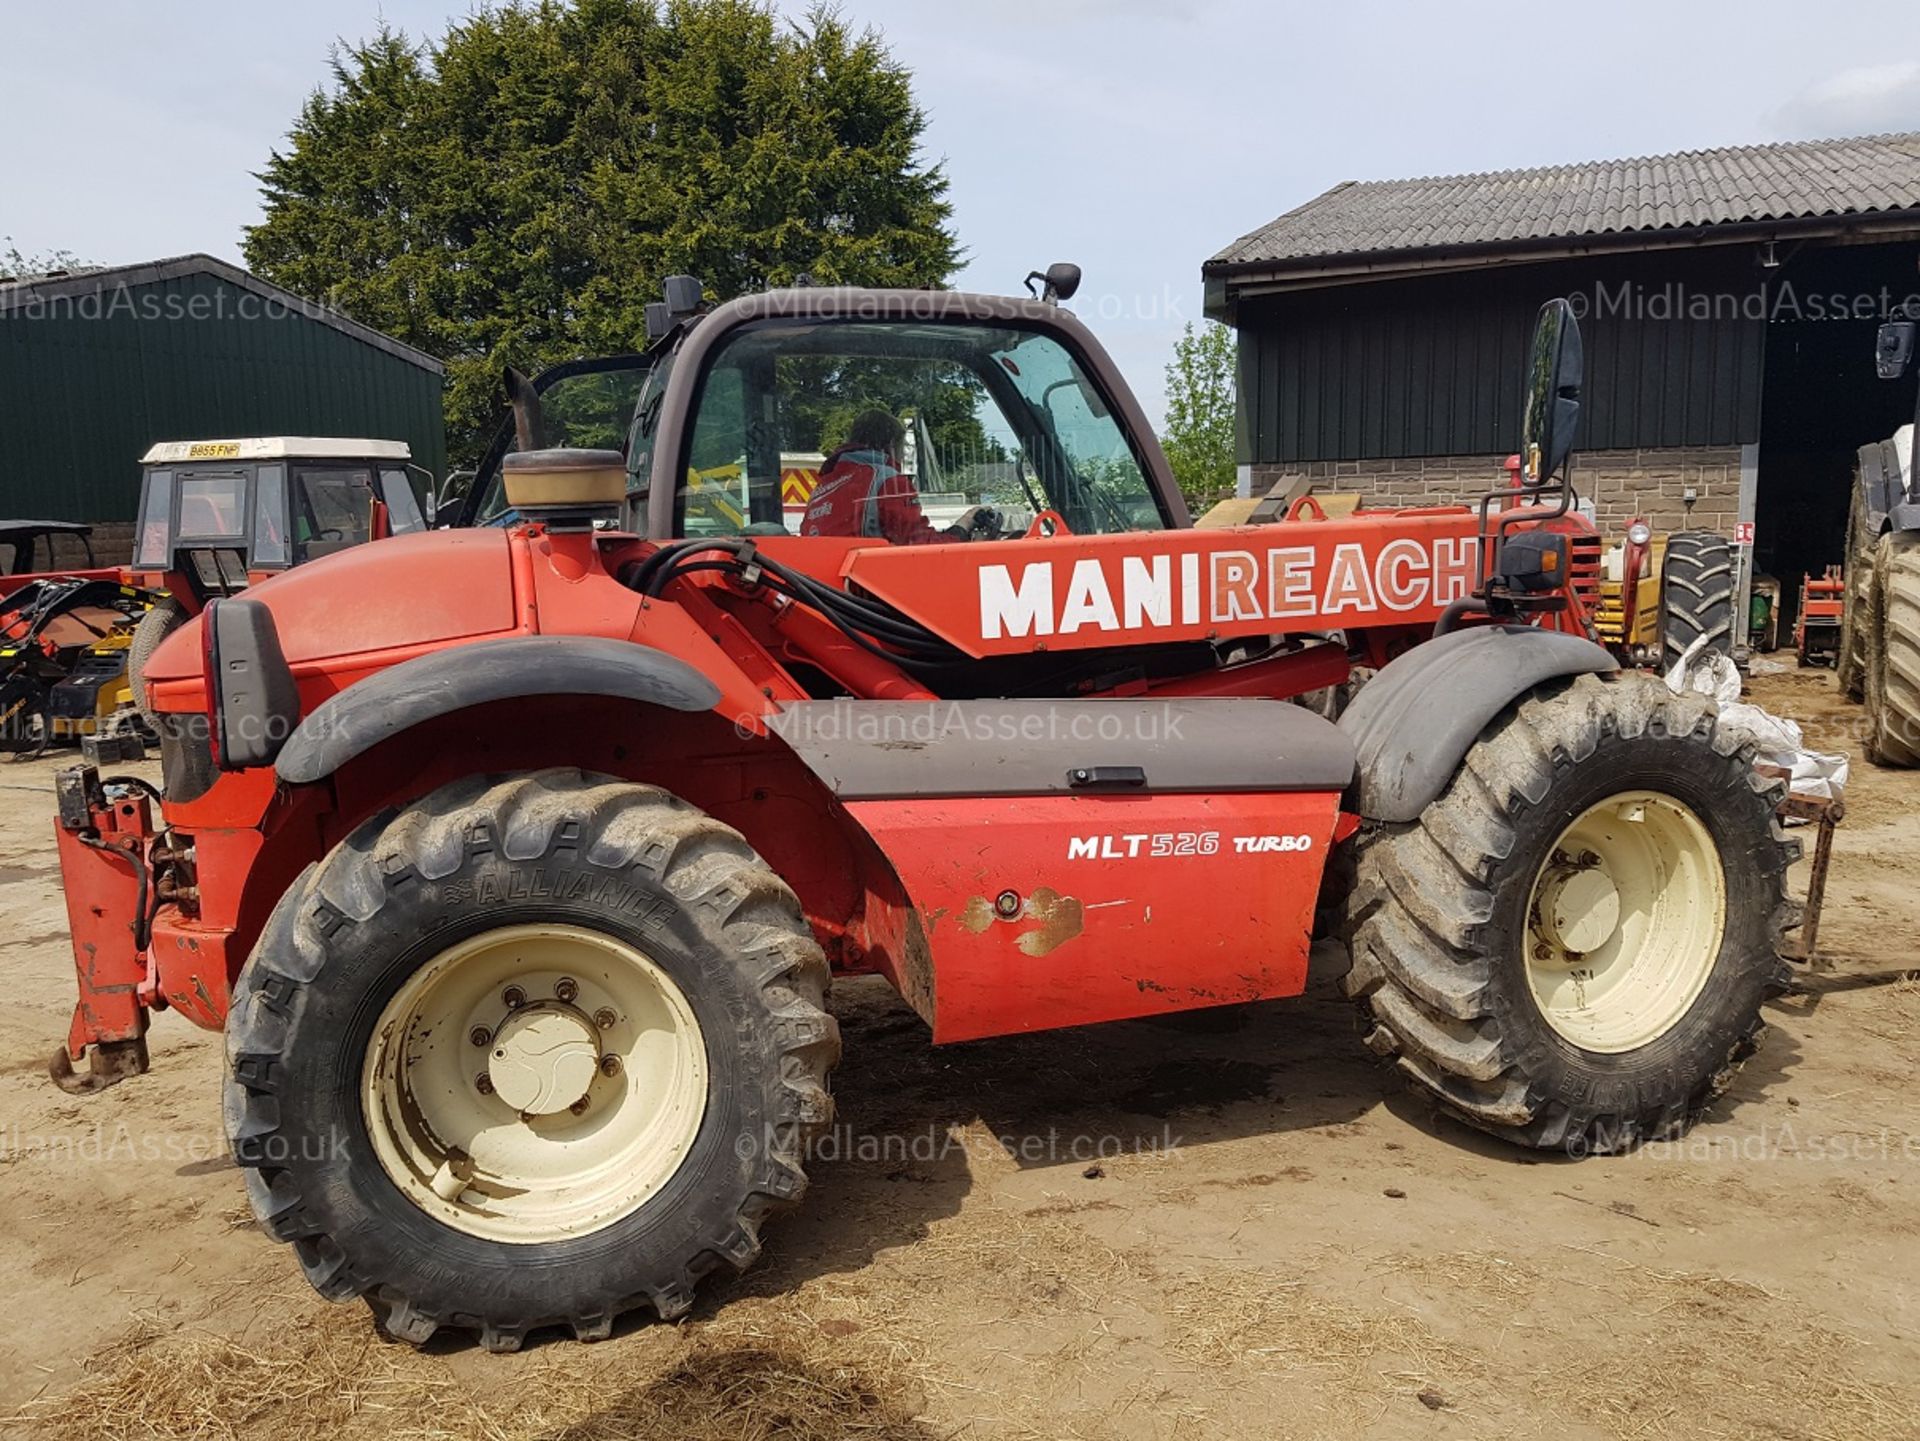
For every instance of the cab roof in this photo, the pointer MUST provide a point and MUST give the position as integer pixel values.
(276, 447)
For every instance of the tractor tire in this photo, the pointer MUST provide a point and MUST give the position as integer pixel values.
(1893, 653)
(407, 1041)
(1859, 617)
(156, 625)
(1571, 948)
(1696, 595)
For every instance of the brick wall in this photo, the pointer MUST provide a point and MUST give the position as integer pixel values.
(1622, 484)
(113, 541)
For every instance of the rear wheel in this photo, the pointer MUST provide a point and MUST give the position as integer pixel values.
(1858, 617)
(1572, 946)
(534, 1051)
(167, 616)
(1893, 653)
(1696, 595)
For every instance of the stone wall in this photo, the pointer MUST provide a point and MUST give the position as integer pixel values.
(113, 542)
(1622, 484)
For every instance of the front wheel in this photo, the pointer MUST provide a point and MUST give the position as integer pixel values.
(1572, 946)
(164, 617)
(534, 1051)
(1893, 653)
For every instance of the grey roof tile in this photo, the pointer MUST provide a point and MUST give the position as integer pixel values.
(1795, 180)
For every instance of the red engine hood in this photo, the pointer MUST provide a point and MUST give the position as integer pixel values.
(409, 591)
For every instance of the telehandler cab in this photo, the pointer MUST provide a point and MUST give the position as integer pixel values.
(515, 861)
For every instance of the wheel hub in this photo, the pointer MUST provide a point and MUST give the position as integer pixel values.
(1625, 922)
(535, 1082)
(544, 1057)
(1579, 908)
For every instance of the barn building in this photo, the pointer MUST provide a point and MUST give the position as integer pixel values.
(1728, 299)
(98, 364)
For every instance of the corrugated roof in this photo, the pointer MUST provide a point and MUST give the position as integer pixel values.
(19, 294)
(1749, 183)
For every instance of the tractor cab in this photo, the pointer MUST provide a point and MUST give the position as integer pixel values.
(218, 515)
(989, 421)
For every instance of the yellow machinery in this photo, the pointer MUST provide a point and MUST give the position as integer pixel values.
(97, 695)
(1663, 597)
(1629, 625)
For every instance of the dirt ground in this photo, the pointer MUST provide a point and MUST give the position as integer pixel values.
(1234, 1223)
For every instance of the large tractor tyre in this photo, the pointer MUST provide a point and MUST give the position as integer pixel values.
(534, 1051)
(1859, 616)
(1893, 653)
(1571, 948)
(1696, 595)
(167, 616)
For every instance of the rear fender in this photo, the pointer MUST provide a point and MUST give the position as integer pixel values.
(404, 696)
(1413, 723)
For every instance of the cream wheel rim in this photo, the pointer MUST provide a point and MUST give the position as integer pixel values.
(535, 1083)
(1625, 921)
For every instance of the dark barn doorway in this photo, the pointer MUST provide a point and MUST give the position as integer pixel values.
(1821, 402)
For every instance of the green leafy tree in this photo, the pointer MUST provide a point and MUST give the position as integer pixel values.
(517, 192)
(14, 264)
(1198, 435)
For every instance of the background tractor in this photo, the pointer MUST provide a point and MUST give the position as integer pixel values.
(515, 861)
(1879, 646)
(1664, 597)
(32, 550)
(63, 659)
(217, 516)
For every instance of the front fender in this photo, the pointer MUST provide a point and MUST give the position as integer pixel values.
(1413, 723)
(396, 699)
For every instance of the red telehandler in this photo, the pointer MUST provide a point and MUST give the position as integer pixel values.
(515, 861)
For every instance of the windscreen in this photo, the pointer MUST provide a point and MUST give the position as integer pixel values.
(853, 417)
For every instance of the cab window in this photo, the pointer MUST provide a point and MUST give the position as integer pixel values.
(332, 509)
(641, 434)
(213, 505)
(984, 416)
(270, 516)
(155, 545)
(404, 515)
(591, 409)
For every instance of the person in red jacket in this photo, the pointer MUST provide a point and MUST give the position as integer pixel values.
(862, 492)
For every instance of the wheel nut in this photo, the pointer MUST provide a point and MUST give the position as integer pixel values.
(609, 1065)
(579, 1107)
(514, 997)
(479, 1035)
(567, 989)
(604, 1018)
(483, 1083)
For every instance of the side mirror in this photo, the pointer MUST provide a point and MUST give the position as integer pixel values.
(1893, 348)
(424, 494)
(1060, 280)
(452, 490)
(1550, 410)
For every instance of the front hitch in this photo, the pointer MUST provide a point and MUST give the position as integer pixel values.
(105, 835)
(111, 1063)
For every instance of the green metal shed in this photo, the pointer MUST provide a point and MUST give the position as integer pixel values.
(96, 365)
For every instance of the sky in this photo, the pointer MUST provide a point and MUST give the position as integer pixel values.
(1133, 138)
